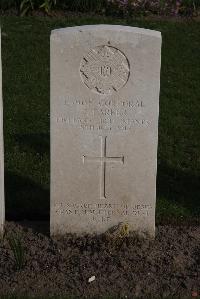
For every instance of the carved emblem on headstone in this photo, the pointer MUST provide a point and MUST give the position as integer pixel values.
(105, 69)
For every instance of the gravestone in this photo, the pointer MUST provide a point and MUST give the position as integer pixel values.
(2, 204)
(104, 128)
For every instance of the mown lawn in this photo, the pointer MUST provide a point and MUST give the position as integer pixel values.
(25, 46)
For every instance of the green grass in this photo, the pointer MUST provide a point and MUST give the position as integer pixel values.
(25, 45)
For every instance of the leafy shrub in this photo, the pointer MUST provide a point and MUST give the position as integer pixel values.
(189, 7)
(7, 4)
(25, 6)
(109, 7)
(160, 7)
(86, 5)
(28, 5)
(47, 5)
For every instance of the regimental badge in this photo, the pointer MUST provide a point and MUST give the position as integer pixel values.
(105, 70)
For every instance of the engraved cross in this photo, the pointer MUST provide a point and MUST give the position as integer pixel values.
(103, 159)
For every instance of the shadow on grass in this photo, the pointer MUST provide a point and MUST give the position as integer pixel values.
(40, 142)
(25, 199)
(180, 189)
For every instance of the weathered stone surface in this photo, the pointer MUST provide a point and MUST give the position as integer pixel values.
(105, 84)
(2, 203)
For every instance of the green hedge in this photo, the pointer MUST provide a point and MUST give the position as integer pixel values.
(107, 7)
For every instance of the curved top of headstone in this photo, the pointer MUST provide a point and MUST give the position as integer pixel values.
(118, 28)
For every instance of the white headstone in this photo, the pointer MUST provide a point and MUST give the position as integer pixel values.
(2, 203)
(105, 83)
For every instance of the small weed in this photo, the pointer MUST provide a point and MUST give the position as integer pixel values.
(118, 233)
(124, 230)
(17, 248)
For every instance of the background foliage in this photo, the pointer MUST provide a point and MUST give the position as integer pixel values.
(108, 7)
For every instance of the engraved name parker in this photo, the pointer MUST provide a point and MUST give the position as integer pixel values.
(103, 115)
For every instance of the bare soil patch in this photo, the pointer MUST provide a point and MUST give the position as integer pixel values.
(123, 267)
